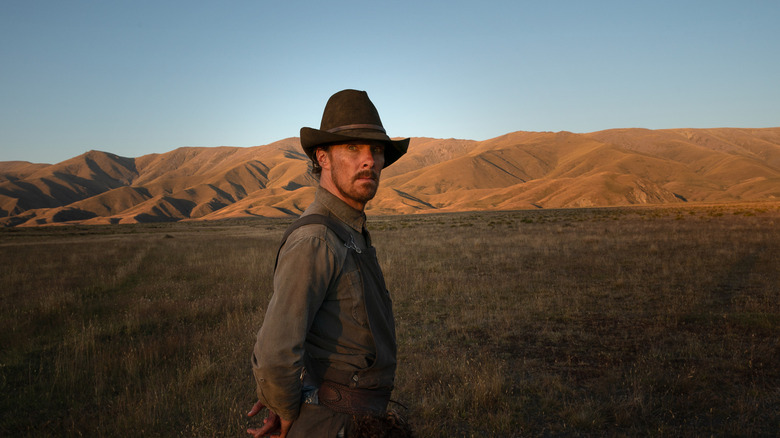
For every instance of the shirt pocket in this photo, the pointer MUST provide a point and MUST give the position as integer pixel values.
(350, 291)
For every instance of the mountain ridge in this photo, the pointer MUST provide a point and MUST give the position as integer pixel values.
(518, 170)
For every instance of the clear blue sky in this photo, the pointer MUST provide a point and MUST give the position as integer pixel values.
(139, 77)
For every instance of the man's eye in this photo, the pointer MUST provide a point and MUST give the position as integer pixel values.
(352, 147)
(378, 149)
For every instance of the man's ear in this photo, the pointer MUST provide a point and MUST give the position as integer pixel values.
(322, 157)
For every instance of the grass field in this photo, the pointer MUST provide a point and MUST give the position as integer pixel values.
(624, 321)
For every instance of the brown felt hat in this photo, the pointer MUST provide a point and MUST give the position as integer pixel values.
(349, 115)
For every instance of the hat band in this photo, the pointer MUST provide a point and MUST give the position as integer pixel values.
(358, 126)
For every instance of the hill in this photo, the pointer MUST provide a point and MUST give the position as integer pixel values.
(515, 171)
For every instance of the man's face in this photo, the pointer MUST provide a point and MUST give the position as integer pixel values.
(353, 169)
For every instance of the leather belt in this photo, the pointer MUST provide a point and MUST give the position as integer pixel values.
(346, 400)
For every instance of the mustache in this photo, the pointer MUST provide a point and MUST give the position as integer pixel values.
(367, 174)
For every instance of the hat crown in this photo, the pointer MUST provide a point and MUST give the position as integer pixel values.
(347, 108)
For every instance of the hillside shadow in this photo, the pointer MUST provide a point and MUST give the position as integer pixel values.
(414, 199)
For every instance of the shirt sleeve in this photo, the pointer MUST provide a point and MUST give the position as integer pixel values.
(303, 273)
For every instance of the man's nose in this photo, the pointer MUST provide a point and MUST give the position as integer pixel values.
(367, 158)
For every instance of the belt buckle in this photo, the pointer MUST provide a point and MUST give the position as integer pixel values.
(310, 395)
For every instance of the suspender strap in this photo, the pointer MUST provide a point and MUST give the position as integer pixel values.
(310, 219)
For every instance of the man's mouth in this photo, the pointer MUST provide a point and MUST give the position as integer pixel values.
(367, 174)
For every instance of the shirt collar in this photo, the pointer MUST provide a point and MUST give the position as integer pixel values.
(354, 218)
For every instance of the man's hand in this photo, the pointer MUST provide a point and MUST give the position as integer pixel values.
(272, 425)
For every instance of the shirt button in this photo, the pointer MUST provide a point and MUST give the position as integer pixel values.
(355, 377)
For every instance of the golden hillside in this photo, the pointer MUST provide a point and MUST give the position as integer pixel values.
(515, 171)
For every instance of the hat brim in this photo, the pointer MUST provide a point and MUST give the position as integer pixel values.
(394, 149)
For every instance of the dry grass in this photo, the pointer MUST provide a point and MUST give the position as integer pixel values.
(646, 321)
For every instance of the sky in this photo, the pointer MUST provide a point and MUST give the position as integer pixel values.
(138, 77)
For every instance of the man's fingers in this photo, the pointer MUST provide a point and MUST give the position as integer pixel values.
(257, 433)
(286, 425)
(270, 423)
(255, 409)
(268, 428)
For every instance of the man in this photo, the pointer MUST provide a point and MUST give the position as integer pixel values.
(326, 353)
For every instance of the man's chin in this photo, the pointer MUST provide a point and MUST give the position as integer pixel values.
(365, 195)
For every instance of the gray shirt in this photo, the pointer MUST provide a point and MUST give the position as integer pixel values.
(317, 316)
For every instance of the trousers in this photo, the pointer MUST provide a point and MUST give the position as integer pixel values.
(319, 421)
